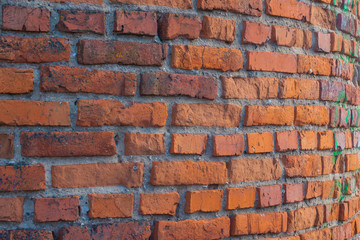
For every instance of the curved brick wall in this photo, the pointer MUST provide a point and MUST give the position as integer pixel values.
(179, 119)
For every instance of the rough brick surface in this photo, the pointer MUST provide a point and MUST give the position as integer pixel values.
(81, 21)
(217, 28)
(144, 144)
(16, 81)
(228, 145)
(136, 23)
(11, 209)
(56, 209)
(188, 144)
(203, 201)
(238, 198)
(158, 203)
(172, 26)
(110, 205)
(271, 61)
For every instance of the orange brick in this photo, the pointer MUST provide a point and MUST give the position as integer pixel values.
(255, 33)
(286, 141)
(144, 144)
(314, 65)
(313, 189)
(183, 4)
(12, 209)
(323, 234)
(305, 218)
(308, 140)
(299, 89)
(16, 81)
(260, 142)
(352, 162)
(288, 9)
(238, 198)
(188, 144)
(248, 7)
(314, 115)
(322, 17)
(228, 145)
(326, 140)
(269, 195)
(110, 205)
(294, 192)
(268, 115)
(158, 203)
(56, 209)
(271, 61)
(302, 165)
(284, 36)
(203, 201)
(218, 28)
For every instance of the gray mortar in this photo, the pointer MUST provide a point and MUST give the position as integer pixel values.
(110, 9)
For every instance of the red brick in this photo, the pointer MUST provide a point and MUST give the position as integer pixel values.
(345, 24)
(322, 17)
(188, 144)
(11, 209)
(332, 91)
(294, 192)
(203, 201)
(124, 53)
(352, 94)
(97, 175)
(215, 228)
(286, 141)
(228, 145)
(248, 7)
(268, 115)
(269, 195)
(260, 142)
(258, 223)
(238, 198)
(79, 80)
(314, 65)
(26, 234)
(170, 84)
(144, 144)
(199, 57)
(333, 164)
(332, 212)
(344, 70)
(34, 113)
(271, 61)
(77, 1)
(22, 178)
(184, 4)
(110, 205)
(206, 115)
(16, 81)
(302, 165)
(242, 170)
(309, 114)
(56, 209)
(172, 26)
(123, 230)
(313, 189)
(341, 232)
(323, 42)
(25, 19)
(336, 42)
(288, 9)
(33, 50)
(7, 148)
(81, 21)
(285, 36)
(307, 217)
(255, 33)
(135, 22)
(165, 173)
(158, 203)
(323, 234)
(340, 117)
(218, 28)
(249, 88)
(352, 162)
(299, 88)
(67, 144)
(69, 233)
(111, 112)
(308, 140)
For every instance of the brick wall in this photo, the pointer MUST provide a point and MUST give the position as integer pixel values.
(186, 119)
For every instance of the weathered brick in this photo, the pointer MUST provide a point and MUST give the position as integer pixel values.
(77, 1)
(351, 94)
(188, 144)
(286, 36)
(288, 9)
(25, 19)
(159, 203)
(341, 232)
(207, 115)
(172, 26)
(286, 141)
(56, 209)
(110, 205)
(326, 140)
(136, 23)
(323, 42)
(309, 114)
(268, 115)
(97, 175)
(241, 170)
(313, 189)
(345, 24)
(314, 65)
(199, 57)
(352, 162)
(184, 4)
(170, 84)
(260, 142)
(110, 112)
(305, 218)
(238, 198)
(218, 28)
(124, 53)
(33, 50)
(271, 61)
(125, 230)
(80, 80)
(332, 212)
(332, 91)
(294, 192)
(228, 145)
(215, 228)
(249, 88)
(302, 165)
(77, 232)
(144, 144)
(7, 147)
(16, 81)
(255, 33)
(269, 195)
(203, 201)
(34, 113)
(299, 88)
(81, 21)
(27, 234)
(336, 42)
(248, 7)
(323, 234)
(322, 17)
(308, 140)
(11, 209)
(333, 164)
(258, 223)
(187, 173)
(67, 144)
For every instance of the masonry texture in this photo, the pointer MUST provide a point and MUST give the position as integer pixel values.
(179, 119)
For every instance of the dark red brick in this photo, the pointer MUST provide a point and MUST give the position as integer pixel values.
(7, 146)
(172, 26)
(81, 21)
(136, 23)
